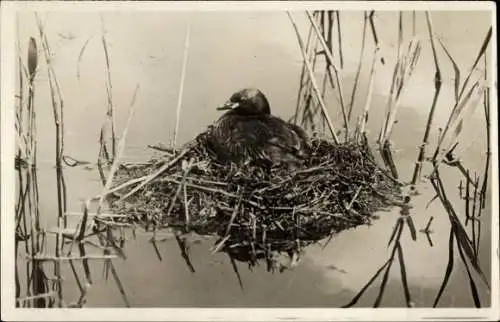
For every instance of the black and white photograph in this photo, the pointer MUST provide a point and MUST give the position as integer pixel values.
(254, 160)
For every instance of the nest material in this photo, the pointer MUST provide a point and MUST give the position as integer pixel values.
(256, 210)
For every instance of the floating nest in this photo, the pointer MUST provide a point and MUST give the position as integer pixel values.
(253, 210)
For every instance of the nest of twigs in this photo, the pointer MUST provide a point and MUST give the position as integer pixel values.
(255, 210)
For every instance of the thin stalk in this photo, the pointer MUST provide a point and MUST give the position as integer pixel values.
(303, 76)
(329, 56)
(121, 148)
(109, 90)
(486, 105)
(313, 80)
(437, 89)
(339, 34)
(181, 86)
(360, 63)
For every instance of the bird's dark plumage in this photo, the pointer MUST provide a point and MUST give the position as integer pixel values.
(248, 132)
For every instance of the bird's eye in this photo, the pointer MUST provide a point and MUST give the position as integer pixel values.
(236, 98)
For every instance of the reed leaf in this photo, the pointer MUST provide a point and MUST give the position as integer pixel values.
(236, 271)
(184, 253)
(404, 279)
(463, 110)
(480, 54)
(449, 269)
(32, 58)
(119, 284)
(473, 287)
(356, 298)
(455, 69)
(109, 90)
(411, 227)
(385, 278)
(395, 230)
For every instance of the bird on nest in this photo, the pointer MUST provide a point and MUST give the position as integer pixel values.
(248, 132)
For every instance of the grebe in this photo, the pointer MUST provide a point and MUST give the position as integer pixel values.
(248, 132)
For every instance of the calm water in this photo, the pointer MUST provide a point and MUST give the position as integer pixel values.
(228, 52)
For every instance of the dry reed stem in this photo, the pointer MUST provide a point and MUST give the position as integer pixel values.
(313, 80)
(339, 35)
(38, 296)
(338, 80)
(146, 179)
(121, 148)
(42, 257)
(360, 64)
(486, 104)
(109, 90)
(430, 118)
(369, 95)
(93, 214)
(181, 86)
(303, 77)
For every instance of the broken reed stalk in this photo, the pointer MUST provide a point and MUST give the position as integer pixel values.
(360, 64)
(332, 65)
(109, 91)
(181, 85)
(437, 89)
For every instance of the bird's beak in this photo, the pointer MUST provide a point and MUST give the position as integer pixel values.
(228, 106)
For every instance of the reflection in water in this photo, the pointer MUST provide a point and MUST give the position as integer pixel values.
(146, 49)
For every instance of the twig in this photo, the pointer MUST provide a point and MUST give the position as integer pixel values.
(146, 179)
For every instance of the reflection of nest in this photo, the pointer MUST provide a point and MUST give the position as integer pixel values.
(257, 211)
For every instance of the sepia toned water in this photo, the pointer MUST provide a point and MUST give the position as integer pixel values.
(229, 51)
